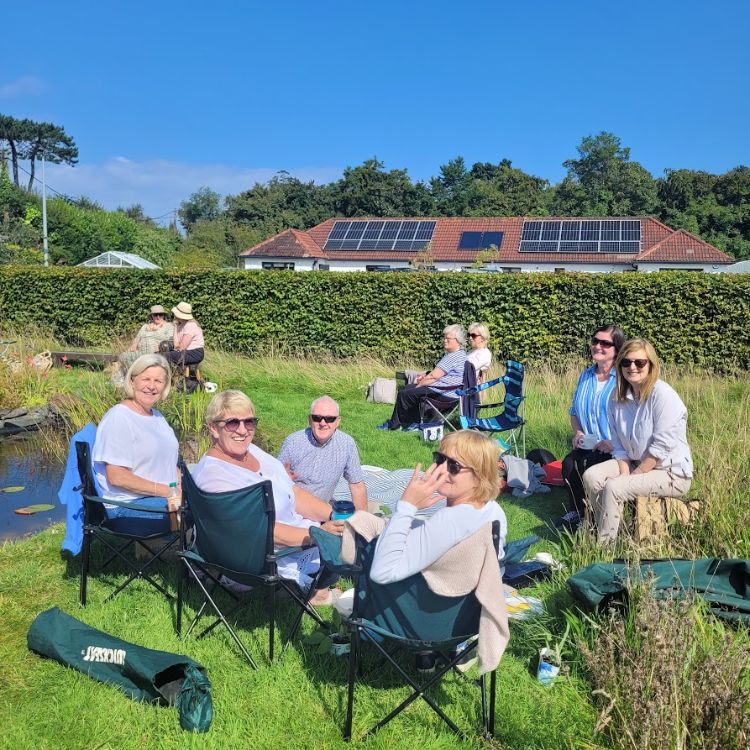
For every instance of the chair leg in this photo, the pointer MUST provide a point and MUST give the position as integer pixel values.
(271, 623)
(493, 685)
(85, 566)
(180, 594)
(483, 693)
(353, 659)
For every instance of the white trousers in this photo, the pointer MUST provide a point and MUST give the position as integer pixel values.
(607, 492)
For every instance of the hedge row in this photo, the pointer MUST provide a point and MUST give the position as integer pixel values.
(702, 319)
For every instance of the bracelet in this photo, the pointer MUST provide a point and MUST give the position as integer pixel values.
(155, 490)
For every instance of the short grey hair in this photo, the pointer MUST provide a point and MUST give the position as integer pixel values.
(140, 365)
(327, 400)
(481, 329)
(225, 401)
(457, 331)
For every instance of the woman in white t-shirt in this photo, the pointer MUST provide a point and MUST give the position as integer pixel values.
(480, 356)
(466, 473)
(233, 462)
(135, 452)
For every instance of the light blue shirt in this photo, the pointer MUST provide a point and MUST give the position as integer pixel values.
(590, 408)
(452, 364)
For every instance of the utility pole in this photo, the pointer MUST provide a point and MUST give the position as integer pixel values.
(44, 214)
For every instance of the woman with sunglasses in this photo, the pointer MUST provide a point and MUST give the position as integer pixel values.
(233, 462)
(588, 415)
(465, 473)
(480, 356)
(650, 452)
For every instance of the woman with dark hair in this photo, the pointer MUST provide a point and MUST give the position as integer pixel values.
(588, 414)
(650, 452)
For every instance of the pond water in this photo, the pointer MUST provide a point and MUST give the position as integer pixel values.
(23, 464)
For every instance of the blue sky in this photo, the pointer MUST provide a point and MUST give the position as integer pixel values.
(164, 97)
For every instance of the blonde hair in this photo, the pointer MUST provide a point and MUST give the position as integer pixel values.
(140, 365)
(225, 401)
(479, 453)
(482, 330)
(654, 370)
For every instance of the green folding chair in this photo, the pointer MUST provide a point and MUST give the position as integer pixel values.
(407, 616)
(234, 538)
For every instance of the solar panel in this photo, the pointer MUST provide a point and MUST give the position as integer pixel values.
(480, 240)
(581, 236)
(380, 235)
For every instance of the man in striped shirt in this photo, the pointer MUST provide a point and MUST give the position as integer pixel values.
(449, 371)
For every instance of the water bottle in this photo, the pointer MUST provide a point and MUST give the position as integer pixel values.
(342, 509)
(173, 504)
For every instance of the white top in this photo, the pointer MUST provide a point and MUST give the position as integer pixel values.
(144, 444)
(657, 427)
(408, 545)
(214, 475)
(480, 358)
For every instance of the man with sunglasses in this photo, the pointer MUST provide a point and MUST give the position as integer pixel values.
(318, 456)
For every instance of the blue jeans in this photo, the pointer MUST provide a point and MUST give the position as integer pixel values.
(137, 522)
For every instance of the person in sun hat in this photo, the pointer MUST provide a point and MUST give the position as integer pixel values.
(318, 456)
(187, 339)
(149, 336)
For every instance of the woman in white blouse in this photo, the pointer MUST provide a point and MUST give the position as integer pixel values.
(480, 356)
(648, 428)
(233, 462)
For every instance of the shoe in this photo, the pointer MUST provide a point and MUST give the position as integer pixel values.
(571, 521)
(413, 427)
(384, 426)
(234, 586)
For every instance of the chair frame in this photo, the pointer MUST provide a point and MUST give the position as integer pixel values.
(95, 522)
(361, 630)
(465, 392)
(268, 579)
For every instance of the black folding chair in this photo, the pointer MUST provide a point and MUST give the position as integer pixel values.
(408, 616)
(118, 536)
(431, 408)
(234, 538)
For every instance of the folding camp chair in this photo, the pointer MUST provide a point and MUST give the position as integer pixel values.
(467, 403)
(234, 538)
(510, 419)
(406, 615)
(110, 531)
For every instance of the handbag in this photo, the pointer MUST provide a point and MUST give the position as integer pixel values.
(382, 391)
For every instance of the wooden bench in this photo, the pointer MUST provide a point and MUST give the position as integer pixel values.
(653, 514)
(62, 358)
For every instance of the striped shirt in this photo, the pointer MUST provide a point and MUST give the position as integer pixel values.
(452, 364)
(590, 404)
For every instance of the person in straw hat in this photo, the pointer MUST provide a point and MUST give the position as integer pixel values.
(187, 338)
(149, 336)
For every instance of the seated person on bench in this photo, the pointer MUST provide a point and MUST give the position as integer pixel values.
(449, 371)
(648, 429)
(149, 336)
(188, 337)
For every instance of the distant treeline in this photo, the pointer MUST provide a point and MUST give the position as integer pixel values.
(601, 181)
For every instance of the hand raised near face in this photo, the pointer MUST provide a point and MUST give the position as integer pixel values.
(422, 490)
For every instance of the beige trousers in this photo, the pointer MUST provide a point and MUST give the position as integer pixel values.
(607, 492)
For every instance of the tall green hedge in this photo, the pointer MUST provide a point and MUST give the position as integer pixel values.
(702, 319)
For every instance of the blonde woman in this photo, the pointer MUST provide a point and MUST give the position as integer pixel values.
(465, 473)
(480, 356)
(648, 430)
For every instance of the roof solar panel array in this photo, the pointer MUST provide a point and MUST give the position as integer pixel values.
(380, 235)
(581, 236)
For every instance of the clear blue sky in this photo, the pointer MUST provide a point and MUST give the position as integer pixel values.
(163, 97)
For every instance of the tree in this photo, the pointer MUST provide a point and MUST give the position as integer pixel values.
(51, 142)
(15, 133)
(450, 190)
(202, 205)
(504, 190)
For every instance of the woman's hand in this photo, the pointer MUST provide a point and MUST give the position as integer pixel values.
(604, 446)
(421, 492)
(333, 527)
(577, 438)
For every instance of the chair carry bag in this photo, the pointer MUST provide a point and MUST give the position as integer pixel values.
(141, 673)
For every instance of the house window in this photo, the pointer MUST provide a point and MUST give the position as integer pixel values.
(278, 265)
(324, 266)
(510, 269)
(377, 268)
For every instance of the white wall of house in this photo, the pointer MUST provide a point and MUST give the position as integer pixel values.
(704, 267)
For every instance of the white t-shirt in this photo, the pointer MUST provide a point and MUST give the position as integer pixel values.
(408, 545)
(144, 444)
(480, 358)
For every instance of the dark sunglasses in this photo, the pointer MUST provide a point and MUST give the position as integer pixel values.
(475, 335)
(639, 363)
(321, 418)
(602, 342)
(233, 424)
(454, 467)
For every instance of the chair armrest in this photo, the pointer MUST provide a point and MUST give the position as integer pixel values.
(129, 504)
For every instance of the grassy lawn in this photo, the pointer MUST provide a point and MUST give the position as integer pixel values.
(300, 701)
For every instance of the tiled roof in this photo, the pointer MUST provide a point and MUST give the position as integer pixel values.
(659, 243)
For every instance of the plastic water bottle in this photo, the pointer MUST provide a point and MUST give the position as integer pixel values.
(342, 509)
(173, 504)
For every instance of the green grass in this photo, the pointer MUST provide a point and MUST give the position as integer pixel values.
(299, 701)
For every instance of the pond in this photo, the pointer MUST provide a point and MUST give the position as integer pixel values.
(23, 464)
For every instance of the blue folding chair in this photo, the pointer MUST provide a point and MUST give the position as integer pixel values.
(510, 420)
(407, 615)
(234, 538)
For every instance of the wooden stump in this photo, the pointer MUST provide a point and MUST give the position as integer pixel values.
(653, 514)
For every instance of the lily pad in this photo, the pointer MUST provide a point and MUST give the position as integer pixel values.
(29, 510)
(11, 489)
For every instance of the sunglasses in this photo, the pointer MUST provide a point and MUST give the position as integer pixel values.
(233, 424)
(454, 467)
(602, 342)
(320, 418)
(475, 335)
(639, 363)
